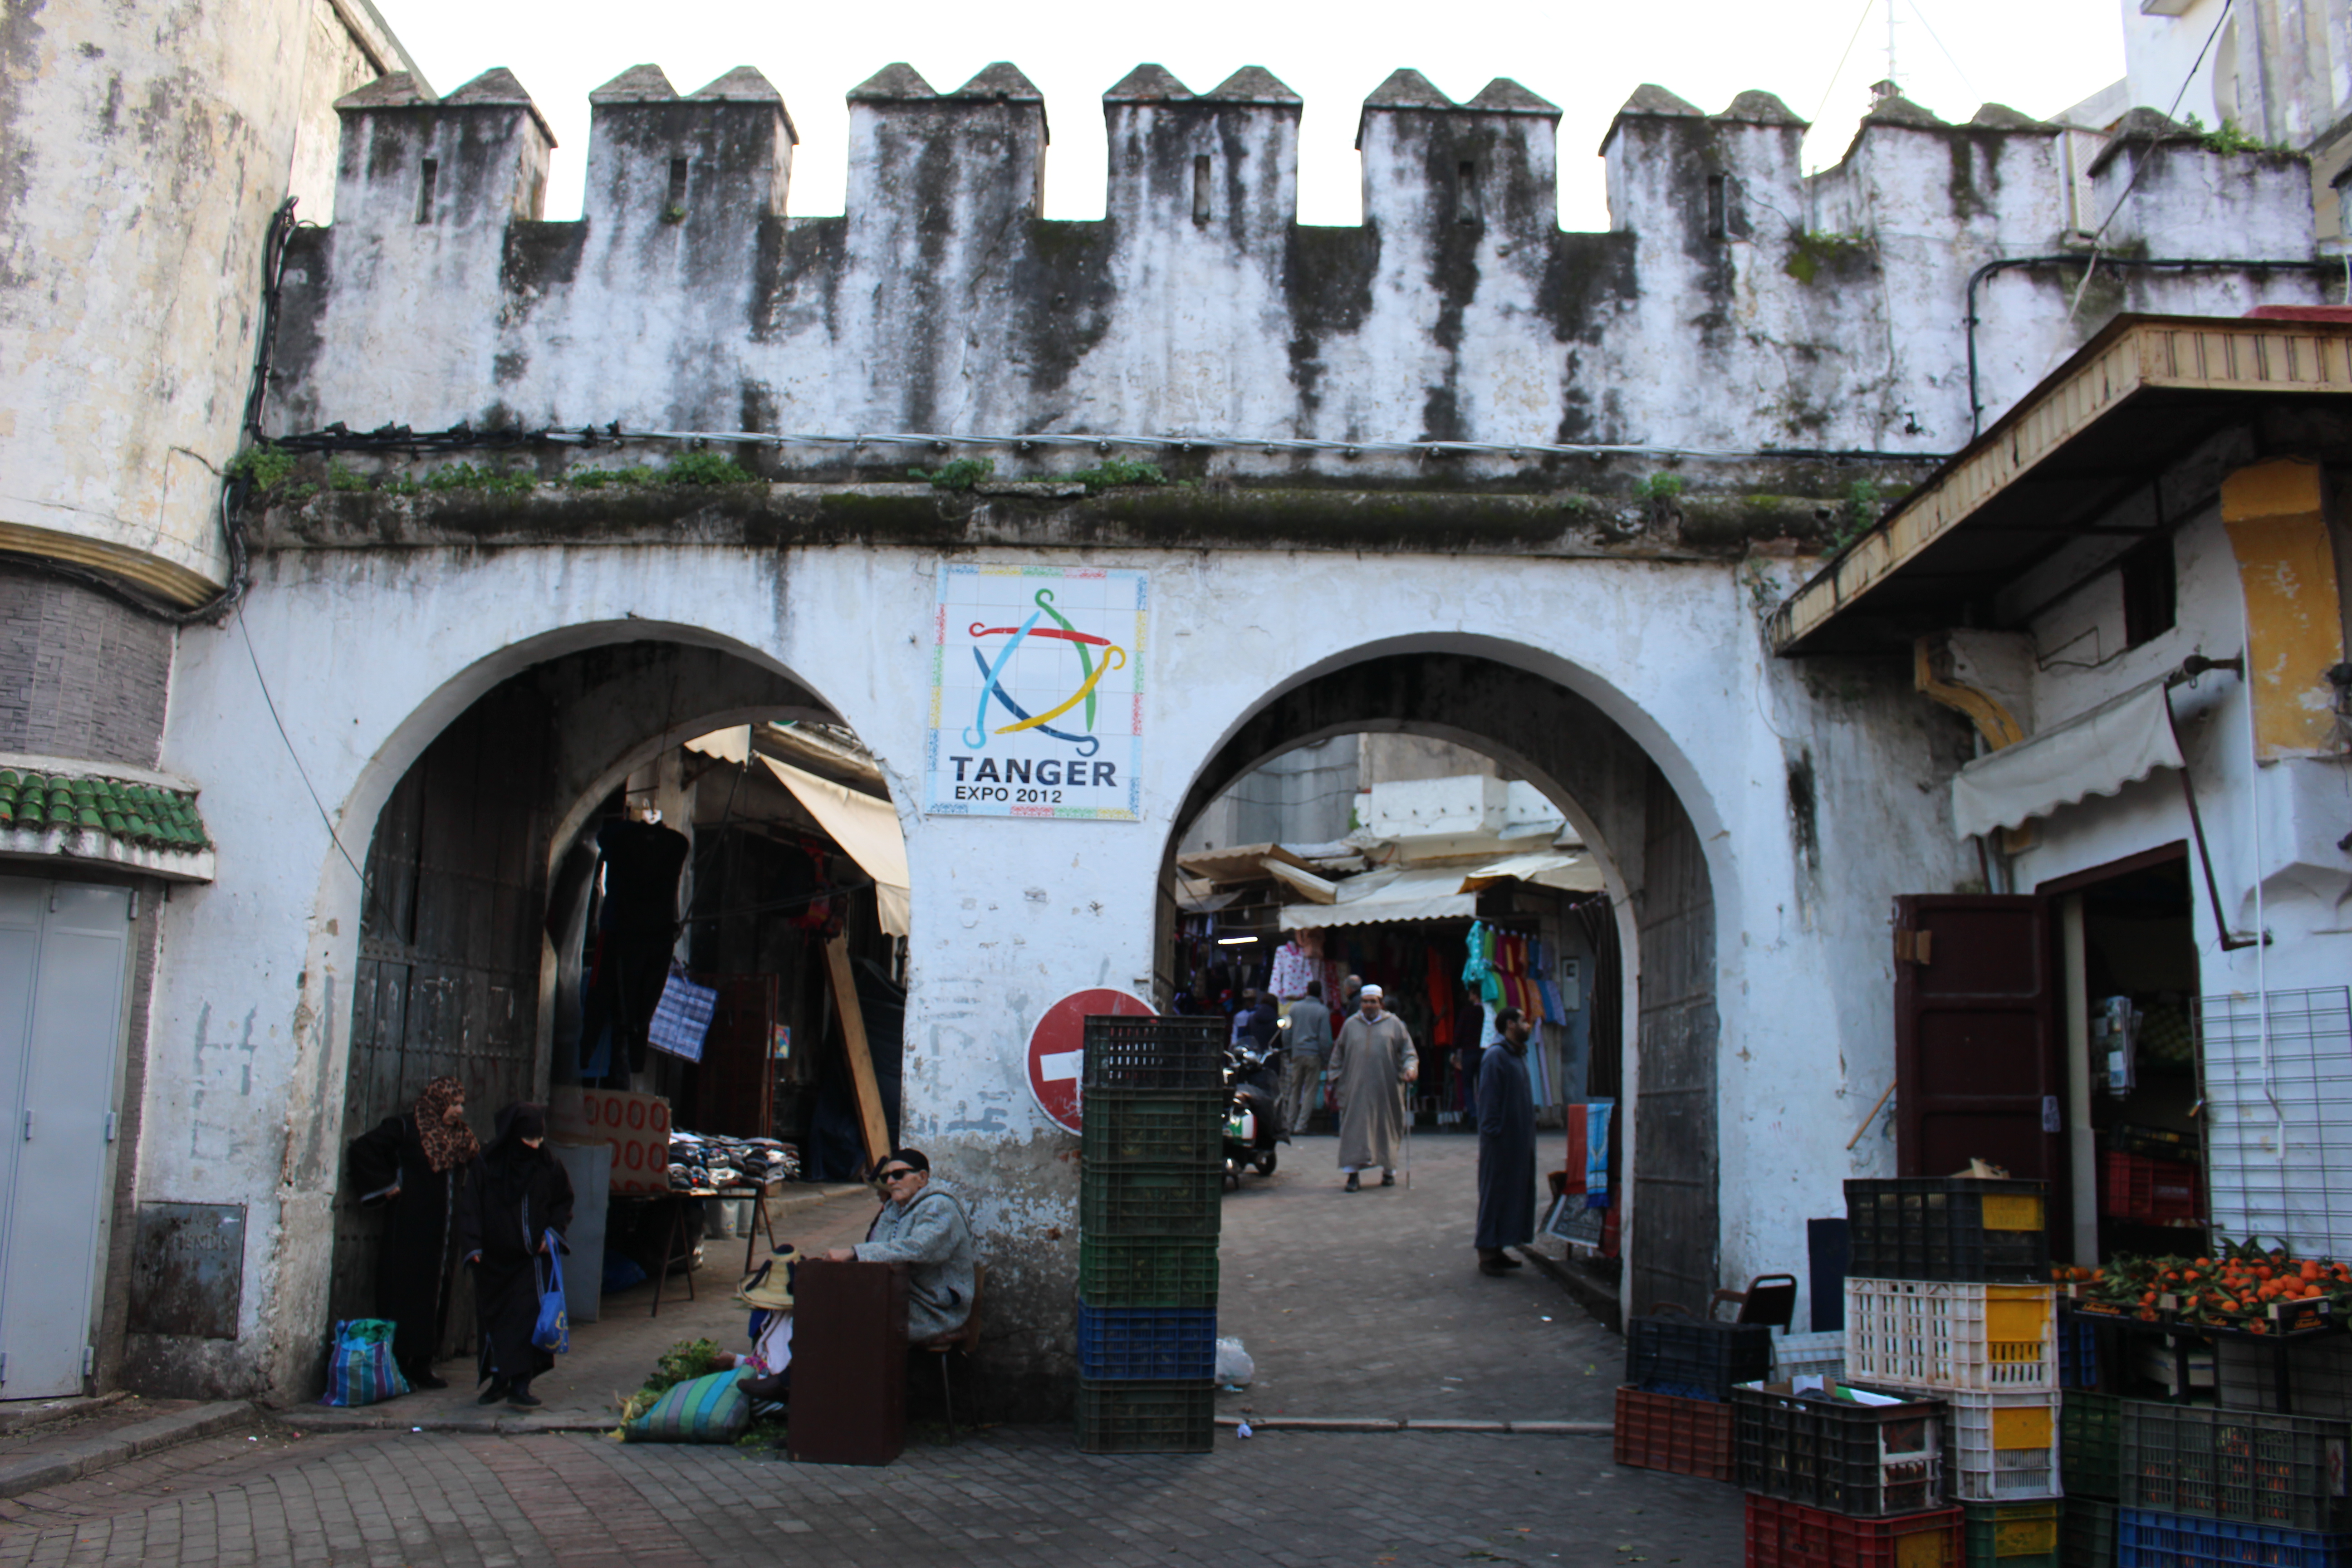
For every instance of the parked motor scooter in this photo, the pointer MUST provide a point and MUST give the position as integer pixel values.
(1253, 1114)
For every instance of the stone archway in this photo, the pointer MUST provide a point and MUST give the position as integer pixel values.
(454, 972)
(1620, 799)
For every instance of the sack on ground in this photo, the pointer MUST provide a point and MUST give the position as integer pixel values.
(1235, 1368)
(360, 1367)
(701, 1410)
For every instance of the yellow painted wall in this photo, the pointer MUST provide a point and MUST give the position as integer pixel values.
(2277, 523)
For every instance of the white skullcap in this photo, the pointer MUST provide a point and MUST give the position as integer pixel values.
(1372, 991)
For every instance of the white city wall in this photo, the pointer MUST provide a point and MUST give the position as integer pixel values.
(366, 657)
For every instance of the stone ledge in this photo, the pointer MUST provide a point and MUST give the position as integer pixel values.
(72, 1461)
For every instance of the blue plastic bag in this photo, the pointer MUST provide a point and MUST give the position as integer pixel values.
(360, 1367)
(552, 1332)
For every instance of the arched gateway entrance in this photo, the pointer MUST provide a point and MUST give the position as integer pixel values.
(480, 949)
(1615, 793)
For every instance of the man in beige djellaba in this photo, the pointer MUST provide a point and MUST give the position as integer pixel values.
(1370, 1065)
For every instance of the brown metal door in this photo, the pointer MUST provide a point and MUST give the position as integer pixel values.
(448, 978)
(1978, 1070)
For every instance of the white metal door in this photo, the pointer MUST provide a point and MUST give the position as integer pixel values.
(65, 949)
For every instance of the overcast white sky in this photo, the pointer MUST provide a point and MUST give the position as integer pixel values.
(2039, 56)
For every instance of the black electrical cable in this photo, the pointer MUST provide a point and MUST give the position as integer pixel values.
(1976, 403)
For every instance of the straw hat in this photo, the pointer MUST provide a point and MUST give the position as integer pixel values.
(770, 1287)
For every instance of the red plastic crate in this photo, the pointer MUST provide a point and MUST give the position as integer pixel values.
(1667, 1432)
(2134, 1186)
(1791, 1535)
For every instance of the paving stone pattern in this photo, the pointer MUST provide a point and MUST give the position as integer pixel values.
(1353, 1305)
(1370, 1303)
(1022, 1496)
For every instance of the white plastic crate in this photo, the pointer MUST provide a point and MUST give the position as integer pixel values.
(1917, 1334)
(2001, 1447)
(1817, 1354)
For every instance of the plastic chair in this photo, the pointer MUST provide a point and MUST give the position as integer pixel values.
(964, 1337)
(1769, 1298)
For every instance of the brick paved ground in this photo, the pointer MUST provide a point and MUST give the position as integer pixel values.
(1352, 1305)
(1370, 1303)
(1013, 1496)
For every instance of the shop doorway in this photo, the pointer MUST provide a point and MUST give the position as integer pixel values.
(607, 810)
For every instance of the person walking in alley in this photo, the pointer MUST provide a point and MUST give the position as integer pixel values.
(1372, 1063)
(516, 1193)
(1309, 1042)
(410, 1165)
(1506, 1146)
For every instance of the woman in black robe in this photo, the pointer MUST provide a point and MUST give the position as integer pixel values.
(412, 1167)
(1506, 1146)
(516, 1193)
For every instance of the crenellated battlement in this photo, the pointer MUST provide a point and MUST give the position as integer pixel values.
(1735, 304)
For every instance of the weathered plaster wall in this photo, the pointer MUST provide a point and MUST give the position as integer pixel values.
(1821, 313)
(369, 654)
(141, 150)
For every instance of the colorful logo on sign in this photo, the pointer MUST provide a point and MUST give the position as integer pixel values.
(1037, 693)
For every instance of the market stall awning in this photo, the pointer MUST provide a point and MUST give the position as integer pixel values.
(1429, 893)
(1315, 890)
(2046, 476)
(867, 831)
(1571, 870)
(2120, 742)
(1236, 863)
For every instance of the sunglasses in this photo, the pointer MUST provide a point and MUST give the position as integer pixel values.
(903, 1171)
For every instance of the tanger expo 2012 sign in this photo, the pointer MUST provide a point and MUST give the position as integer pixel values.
(1037, 693)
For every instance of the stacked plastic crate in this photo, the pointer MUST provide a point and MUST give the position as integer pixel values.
(1673, 1410)
(2197, 1485)
(1949, 1298)
(1150, 1174)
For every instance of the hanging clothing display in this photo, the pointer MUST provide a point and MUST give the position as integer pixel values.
(1292, 970)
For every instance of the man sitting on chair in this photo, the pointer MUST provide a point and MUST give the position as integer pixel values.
(924, 1228)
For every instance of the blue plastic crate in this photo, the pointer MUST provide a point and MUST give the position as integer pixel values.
(2149, 1540)
(2078, 1352)
(1128, 1343)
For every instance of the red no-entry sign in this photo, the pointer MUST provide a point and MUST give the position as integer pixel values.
(1057, 1048)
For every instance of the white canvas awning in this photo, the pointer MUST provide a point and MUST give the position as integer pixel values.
(1429, 893)
(867, 831)
(1569, 870)
(2120, 742)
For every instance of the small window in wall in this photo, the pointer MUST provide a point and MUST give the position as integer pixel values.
(2151, 591)
(428, 176)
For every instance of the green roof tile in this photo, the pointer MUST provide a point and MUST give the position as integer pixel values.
(137, 814)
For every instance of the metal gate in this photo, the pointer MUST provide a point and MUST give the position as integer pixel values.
(447, 980)
(1676, 1204)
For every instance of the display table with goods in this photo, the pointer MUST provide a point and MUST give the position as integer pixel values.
(2243, 1294)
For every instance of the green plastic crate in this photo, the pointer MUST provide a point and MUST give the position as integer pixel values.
(1154, 1127)
(2091, 1444)
(2012, 1534)
(2086, 1536)
(1147, 1271)
(1174, 1415)
(1150, 1200)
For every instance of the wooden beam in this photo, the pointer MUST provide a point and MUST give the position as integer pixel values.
(872, 1123)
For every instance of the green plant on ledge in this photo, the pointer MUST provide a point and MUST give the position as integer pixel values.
(960, 475)
(264, 466)
(1113, 472)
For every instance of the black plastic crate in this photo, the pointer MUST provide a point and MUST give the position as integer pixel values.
(1124, 1052)
(1865, 1461)
(1147, 1271)
(1150, 1200)
(2091, 1444)
(2279, 1473)
(1678, 1355)
(1175, 1416)
(1948, 1228)
(1153, 1126)
(2086, 1534)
